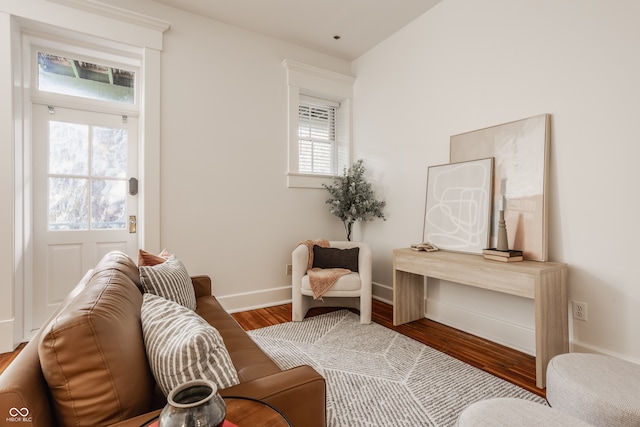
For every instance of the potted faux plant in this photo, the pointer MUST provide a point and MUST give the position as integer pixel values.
(352, 198)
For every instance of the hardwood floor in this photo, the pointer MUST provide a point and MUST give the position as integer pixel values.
(510, 365)
(7, 358)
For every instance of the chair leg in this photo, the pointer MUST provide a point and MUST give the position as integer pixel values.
(365, 311)
(300, 305)
(297, 310)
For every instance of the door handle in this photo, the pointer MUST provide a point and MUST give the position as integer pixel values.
(133, 186)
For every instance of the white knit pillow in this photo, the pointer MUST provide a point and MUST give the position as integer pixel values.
(169, 280)
(181, 346)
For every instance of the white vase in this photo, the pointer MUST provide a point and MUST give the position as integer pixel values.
(503, 241)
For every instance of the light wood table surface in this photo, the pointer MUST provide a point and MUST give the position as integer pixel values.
(544, 282)
(246, 412)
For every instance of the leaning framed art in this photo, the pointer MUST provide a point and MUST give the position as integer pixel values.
(458, 205)
(521, 153)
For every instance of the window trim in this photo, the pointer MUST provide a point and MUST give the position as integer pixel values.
(316, 82)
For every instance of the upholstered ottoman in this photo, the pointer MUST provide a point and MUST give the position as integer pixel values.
(602, 390)
(510, 412)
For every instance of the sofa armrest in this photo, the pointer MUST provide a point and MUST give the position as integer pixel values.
(202, 285)
(299, 393)
(22, 385)
(300, 262)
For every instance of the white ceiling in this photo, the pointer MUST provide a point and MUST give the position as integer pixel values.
(361, 24)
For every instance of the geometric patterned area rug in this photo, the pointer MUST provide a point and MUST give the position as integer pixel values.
(378, 377)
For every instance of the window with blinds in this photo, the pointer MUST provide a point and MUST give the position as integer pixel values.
(317, 136)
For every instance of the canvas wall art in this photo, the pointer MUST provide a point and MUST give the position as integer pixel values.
(521, 153)
(458, 205)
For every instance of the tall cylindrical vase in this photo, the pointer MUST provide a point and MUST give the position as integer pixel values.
(503, 242)
(194, 403)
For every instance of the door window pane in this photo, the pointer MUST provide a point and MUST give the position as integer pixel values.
(80, 189)
(108, 204)
(68, 148)
(68, 208)
(109, 152)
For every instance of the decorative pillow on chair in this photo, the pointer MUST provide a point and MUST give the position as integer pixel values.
(182, 346)
(169, 280)
(336, 258)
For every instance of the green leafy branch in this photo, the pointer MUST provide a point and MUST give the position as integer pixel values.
(352, 198)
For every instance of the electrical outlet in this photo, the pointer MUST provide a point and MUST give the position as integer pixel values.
(289, 267)
(579, 310)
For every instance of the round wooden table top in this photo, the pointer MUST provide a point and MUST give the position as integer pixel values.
(245, 412)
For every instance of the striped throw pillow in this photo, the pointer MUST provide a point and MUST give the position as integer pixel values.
(169, 280)
(181, 346)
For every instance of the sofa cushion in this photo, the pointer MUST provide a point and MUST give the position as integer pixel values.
(336, 258)
(181, 346)
(92, 353)
(348, 283)
(169, 280)
(120, 262)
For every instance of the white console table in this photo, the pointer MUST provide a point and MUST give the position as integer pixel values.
(544, 282)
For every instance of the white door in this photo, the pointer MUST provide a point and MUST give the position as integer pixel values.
(82, 202)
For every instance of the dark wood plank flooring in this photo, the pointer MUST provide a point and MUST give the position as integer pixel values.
(7, 358)
(508, 364)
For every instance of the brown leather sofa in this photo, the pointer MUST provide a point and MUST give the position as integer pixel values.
(87, 365)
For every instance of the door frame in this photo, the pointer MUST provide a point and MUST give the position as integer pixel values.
(148, 161)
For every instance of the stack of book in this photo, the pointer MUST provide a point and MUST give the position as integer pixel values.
(504, 256)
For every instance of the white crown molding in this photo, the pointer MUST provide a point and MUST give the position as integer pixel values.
(109, 11)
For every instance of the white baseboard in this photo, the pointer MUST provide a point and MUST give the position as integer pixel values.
(256, 299)
(579, 347)
(382, 293)
(494, 329)
(509, 334)
(277, 296)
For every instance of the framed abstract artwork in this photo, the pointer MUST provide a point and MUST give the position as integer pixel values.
(458, 205)
(521, 153)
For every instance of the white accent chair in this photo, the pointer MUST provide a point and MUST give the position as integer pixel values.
(351, 291)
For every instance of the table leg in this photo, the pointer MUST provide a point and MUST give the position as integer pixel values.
(552, 321)
(408, 297)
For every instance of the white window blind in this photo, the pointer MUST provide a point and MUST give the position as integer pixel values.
(317, 136)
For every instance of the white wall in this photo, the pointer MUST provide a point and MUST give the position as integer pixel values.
(466, 65)
(225, 207)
